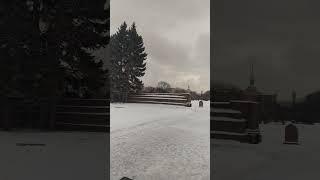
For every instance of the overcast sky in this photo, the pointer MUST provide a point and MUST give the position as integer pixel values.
(177, 39)
(282, 35)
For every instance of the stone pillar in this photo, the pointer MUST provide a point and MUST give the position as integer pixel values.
(188, 96)
(253, 115)
(52, 112)
(6, 113)
(43, 113)
(250, 110)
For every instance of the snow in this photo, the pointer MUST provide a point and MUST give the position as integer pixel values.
(159, 95)
(58, 155)
(152, 141)
(158, 102)
(75, 99)
(167, 98)
(271, 159)
(164, 93)
(162, 142)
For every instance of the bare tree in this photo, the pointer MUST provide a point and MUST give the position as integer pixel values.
(163, 86)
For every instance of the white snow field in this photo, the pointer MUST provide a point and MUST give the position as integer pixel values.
(271, 159)
(54, 156)
(160, 142)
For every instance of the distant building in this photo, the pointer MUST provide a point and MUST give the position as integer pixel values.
(267, 101)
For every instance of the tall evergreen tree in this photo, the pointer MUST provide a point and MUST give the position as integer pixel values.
(137, 59)
(118, 60)
(127, 61)
(51, 41)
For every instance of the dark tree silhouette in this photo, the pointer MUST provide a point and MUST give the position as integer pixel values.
(308, 111)
(127, 62)
(118, 61)
(137, 59)
(51, 41)
(206, 95)
(163, 86)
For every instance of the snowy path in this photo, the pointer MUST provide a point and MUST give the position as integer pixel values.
(58, 155)
(159, 142)
(271, 159)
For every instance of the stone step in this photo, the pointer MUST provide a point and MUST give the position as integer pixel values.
(234, 125)
(87, 109)
(158, 102)
(160, 95)
(165, 94)
(227, 119)
(84, 102)
(228, 135)
(82, 127)
(83, 118)
(241, 137)
(221, 105)
(177, 100)
(226, 113)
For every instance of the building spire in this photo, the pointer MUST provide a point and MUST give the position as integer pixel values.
(251, 75)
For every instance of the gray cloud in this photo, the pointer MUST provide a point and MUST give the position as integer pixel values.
(282, 35)
(176, 36)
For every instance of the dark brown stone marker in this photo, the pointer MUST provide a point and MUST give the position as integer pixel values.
(200, 103)
(291, 134)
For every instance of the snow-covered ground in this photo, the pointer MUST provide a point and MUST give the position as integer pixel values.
(55, 155)
(271, 159)
(160, 142)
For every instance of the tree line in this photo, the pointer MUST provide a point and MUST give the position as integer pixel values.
(306, 110)
(164, 87)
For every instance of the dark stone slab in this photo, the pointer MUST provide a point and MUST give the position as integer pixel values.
(200, 103)
(291, 134)
(30, 144)
(125, 178)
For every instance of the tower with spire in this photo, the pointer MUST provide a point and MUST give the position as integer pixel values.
(251, 76)
(267, 101)
(252, 88)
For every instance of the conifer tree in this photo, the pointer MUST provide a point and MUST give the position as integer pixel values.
(127, 61)
(137, 59)
(118, 60)
(51, 41)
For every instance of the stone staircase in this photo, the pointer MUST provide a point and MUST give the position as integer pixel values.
(235, 120)
(179, 99)
(70, 114)
(83, 114)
